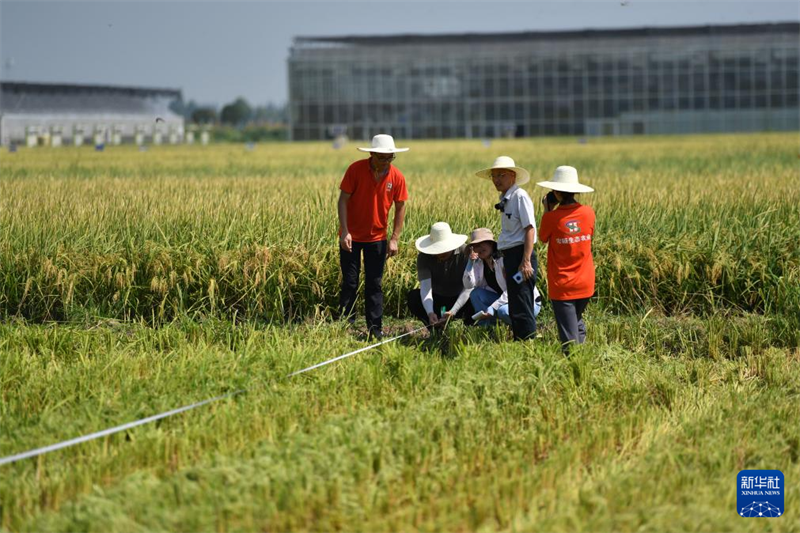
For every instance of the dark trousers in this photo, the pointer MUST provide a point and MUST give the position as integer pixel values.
(569, 319)
(520, 295)
(374, 261)
(414, 301)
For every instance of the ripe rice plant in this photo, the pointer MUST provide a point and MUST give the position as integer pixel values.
(134, 282)
(685, 225)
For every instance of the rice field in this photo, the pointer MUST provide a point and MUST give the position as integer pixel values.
(135, 282)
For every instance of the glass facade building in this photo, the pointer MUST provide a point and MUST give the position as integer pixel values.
(589, 82)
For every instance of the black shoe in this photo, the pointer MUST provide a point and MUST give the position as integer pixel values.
(375, 334)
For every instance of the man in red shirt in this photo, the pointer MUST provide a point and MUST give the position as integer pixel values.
(368, 190)
(568, 228)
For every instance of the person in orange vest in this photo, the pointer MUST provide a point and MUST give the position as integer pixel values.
(568, 229)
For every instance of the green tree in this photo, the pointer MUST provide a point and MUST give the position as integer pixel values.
(236, 113)
(204, 115)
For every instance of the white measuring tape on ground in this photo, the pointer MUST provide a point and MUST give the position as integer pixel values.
(110, 431)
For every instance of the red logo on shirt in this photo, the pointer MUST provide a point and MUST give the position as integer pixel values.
(389, 186)
(573, 226)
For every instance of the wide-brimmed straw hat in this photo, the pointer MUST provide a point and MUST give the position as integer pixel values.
(565, 179)
(481, 235)
(441, 240)
(383, 144)
(523, 176)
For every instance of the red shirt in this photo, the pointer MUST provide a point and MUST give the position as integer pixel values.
(370, 200)
(568, 232)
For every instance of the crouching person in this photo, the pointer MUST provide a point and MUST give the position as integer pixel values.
(486, 277)
(440, 267)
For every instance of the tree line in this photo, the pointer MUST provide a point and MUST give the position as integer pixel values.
(238, 113)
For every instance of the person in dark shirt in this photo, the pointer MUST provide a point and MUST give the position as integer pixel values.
(440, 268)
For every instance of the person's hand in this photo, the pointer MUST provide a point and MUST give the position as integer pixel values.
(447, 317)
(433, 319)
(392, 248)
(473, 255)
(546, 204)
(346, 241)
(526, 268)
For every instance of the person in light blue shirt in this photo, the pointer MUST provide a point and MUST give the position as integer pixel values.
(515, 243)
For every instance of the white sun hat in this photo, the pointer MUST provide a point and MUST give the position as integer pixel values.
(523, 176)
(441, 240)
(383, 144)
(565, 179)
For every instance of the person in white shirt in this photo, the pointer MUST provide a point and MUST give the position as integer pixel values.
(486, 278)
(516, 240)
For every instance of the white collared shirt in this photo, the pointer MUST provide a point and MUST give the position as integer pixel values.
(517, 215)
(475, 276)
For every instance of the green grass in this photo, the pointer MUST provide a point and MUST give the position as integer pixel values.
(623, 435)
(133, 283)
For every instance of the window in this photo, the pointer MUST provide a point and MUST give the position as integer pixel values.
(548, 85)
(505, 111)
(503, 87)
(683, 83)
(745, 101)
(776, 79)
(699, 102)
(519, 112)
(791, 80)
(698, 82)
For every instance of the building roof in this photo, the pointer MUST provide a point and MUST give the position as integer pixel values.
(485, 38)
(22, 98)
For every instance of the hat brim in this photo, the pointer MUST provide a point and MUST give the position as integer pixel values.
(426, 246)
(523, 176)
(384, 150)
(564, 187)
(487, 239)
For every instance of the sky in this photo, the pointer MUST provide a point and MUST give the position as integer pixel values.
(215, 51)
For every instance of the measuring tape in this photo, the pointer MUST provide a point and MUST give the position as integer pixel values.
(116, 429)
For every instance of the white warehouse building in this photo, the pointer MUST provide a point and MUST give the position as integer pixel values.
(50, 113)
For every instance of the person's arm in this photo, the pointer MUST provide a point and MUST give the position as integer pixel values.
(470, 277)
(460, 301)
(426, 295)
(544, 229)
(528, 221)
(500, 275)
(345, 240)
(399, 217)
(525, 267)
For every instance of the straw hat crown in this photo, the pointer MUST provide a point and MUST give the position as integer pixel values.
(383, 144)
(440, 240)
(481, 235)
(505, 162)
(565, 179)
